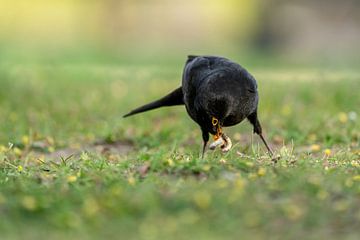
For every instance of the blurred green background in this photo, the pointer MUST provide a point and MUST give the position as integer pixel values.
(72, 168)
(325, 30)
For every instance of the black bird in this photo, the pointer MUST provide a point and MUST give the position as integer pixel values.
(217, 93)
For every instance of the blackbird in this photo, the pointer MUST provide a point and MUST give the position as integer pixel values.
(216, 93)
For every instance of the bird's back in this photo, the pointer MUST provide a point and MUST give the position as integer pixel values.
(218, 87)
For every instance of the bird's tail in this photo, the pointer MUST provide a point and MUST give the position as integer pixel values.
(176, 97)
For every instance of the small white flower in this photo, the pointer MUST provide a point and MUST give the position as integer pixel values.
(352, 116)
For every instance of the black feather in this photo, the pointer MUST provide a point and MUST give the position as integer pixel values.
(172, 99)
(214, 87)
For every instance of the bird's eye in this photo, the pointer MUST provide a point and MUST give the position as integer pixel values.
(214, 121)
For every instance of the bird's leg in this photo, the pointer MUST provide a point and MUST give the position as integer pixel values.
(266, 145)
(205, 136)
(203, 150)
(258, 130)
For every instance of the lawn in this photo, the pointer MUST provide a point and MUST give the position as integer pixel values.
(72, 168)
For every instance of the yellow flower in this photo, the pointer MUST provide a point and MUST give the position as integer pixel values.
(293, 212)
(71, 178)
(41, 159)
(237, 136)
(356, 178)
(25, 140)
(90, 207)
(222, 161)
(50, 140)
(343, 117)
(249, 164)
(202, 199)
(315, 147)
(170, 162)
(327, 152)
(17, 151)
(51, 149)
(29, 203)
(131, 181)
(84, 156)
(206, 167)
(355, 163)
(20, 168)
(261, 172)
(240, 184)
(2, 149)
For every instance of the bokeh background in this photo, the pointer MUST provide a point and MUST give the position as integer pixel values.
(72, 168)
(326, 30)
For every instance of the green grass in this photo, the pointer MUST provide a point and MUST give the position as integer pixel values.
(161, 189)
